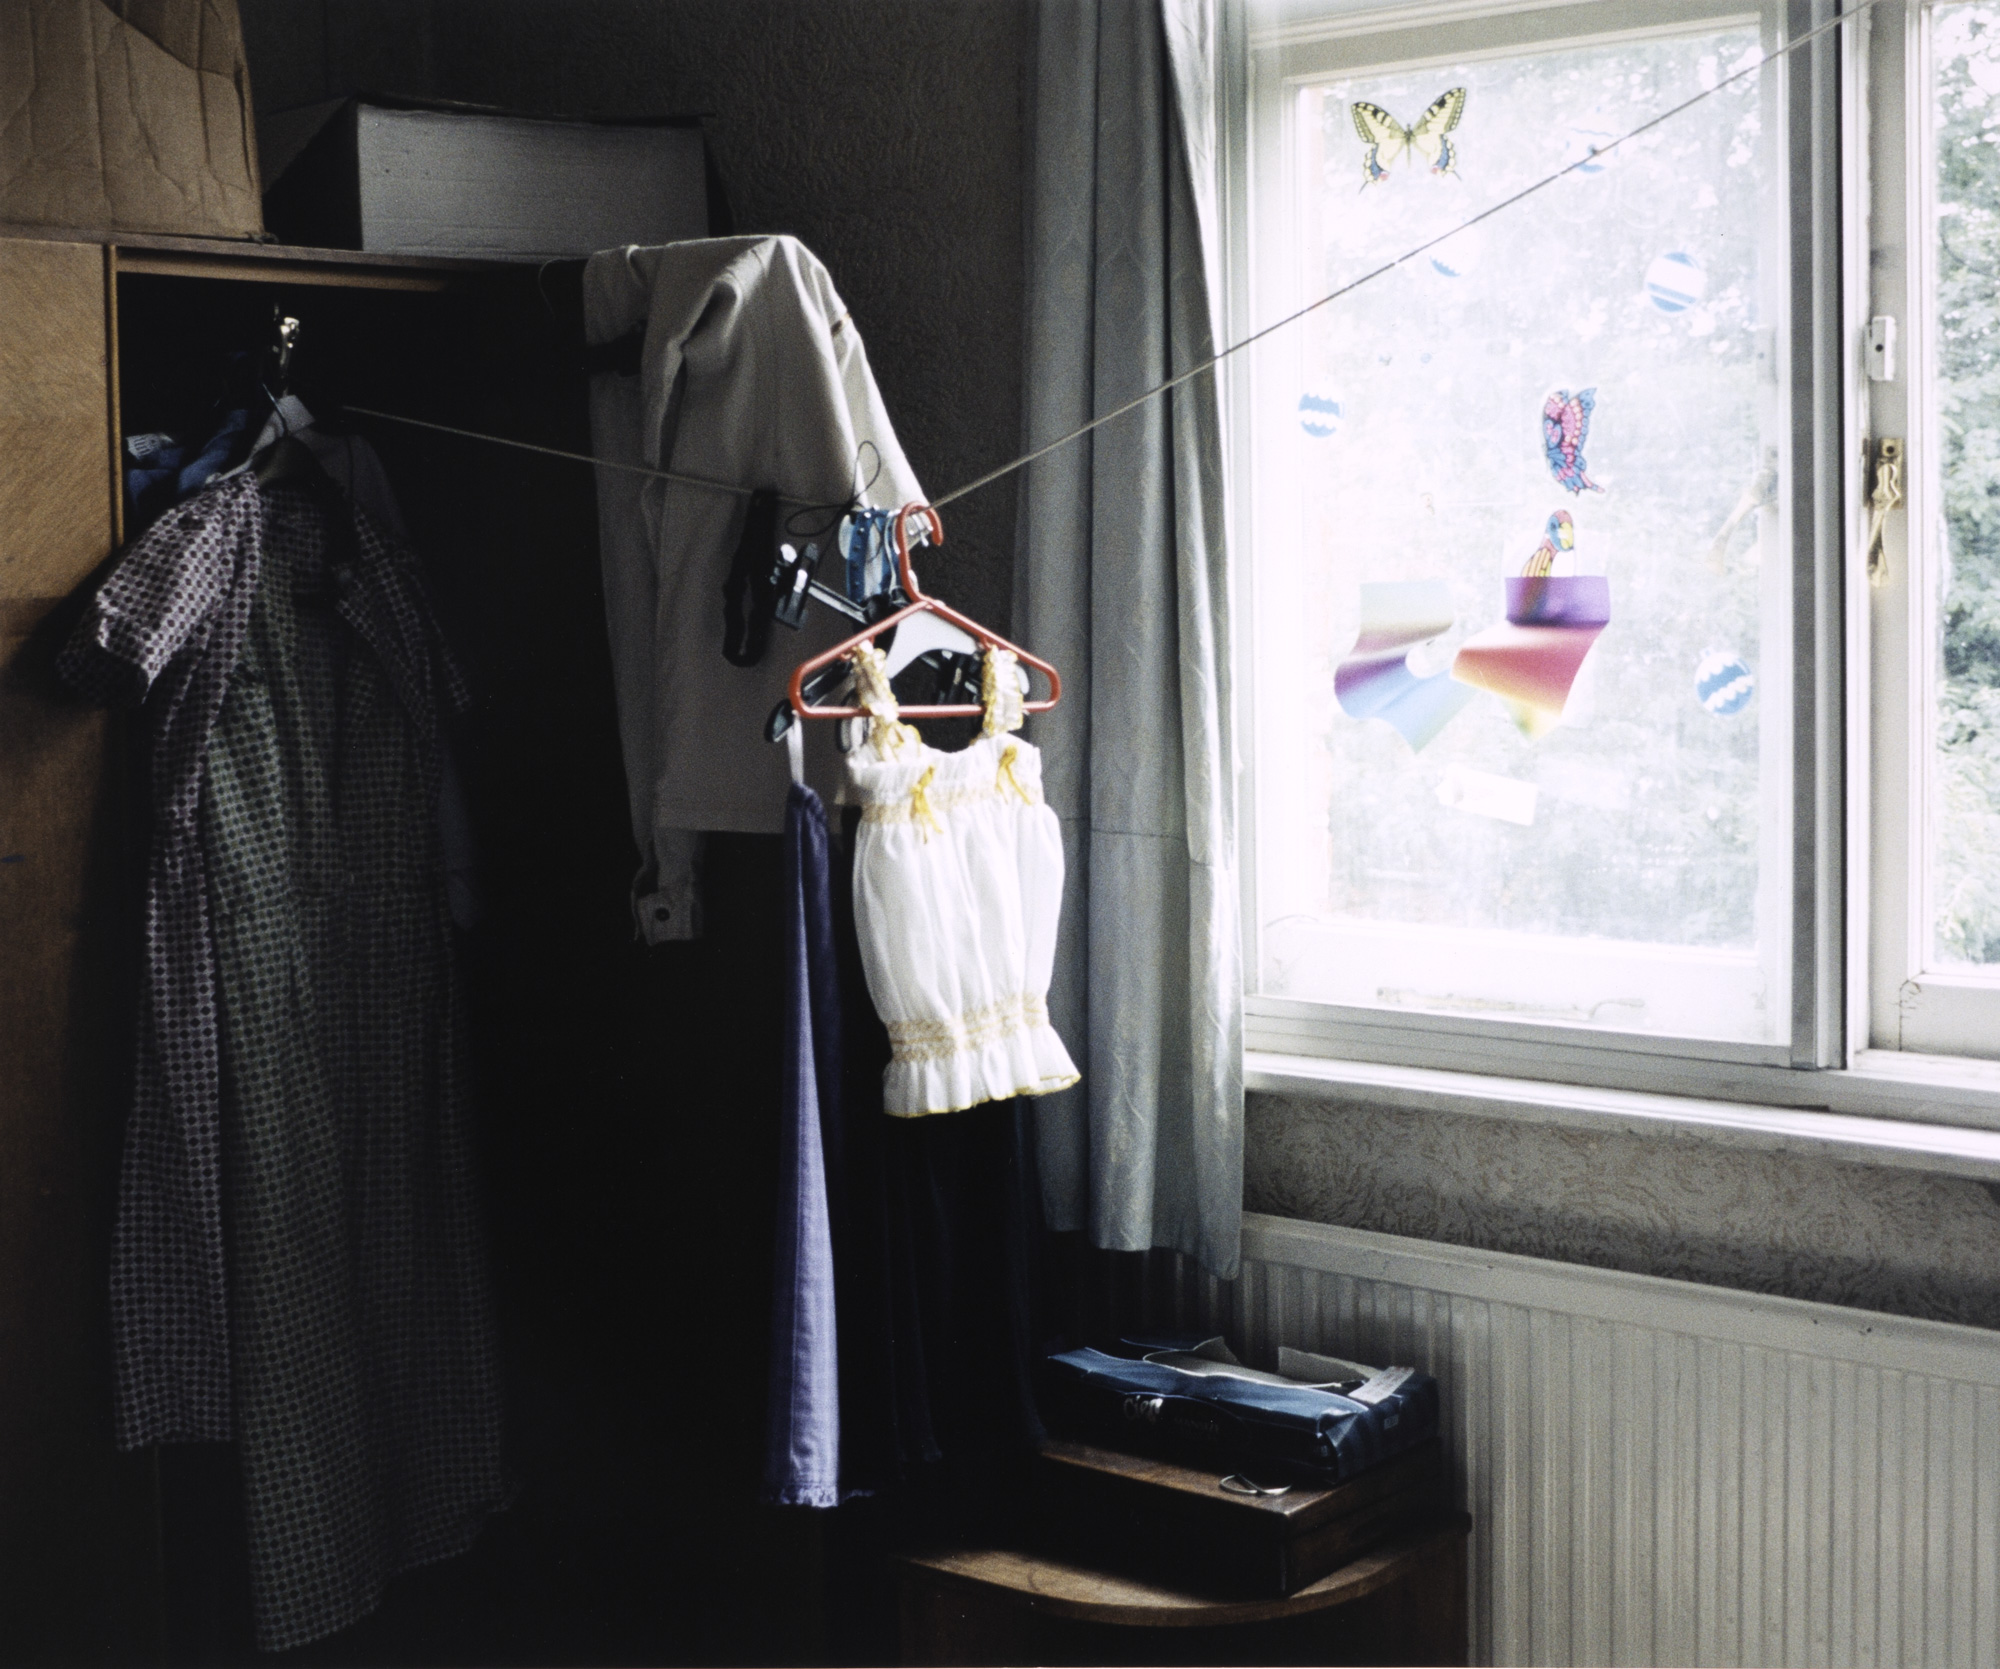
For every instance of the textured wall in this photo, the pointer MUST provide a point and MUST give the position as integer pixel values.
(884, 133)
(1808, 1228)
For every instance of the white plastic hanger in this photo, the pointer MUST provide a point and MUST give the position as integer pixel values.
(922, 633)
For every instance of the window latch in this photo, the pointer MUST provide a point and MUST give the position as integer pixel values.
(1886, 496)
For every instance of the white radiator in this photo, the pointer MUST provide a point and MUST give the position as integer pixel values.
(1663, 1473)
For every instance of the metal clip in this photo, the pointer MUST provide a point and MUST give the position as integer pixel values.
(792, 580)
(793, 583)
(1886, 496)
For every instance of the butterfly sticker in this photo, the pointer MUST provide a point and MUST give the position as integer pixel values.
(1388, 140)
(1565, 427)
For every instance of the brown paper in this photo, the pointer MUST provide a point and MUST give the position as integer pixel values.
(127, 116)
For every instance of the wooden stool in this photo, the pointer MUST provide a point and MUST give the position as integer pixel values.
(1403, 1602)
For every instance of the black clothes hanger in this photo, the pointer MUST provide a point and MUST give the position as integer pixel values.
(276, 372)
(938, 677)
(288, 461)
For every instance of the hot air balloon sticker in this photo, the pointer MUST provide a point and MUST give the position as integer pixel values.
(1319, 413)
(1676, 282)
(1724, 683)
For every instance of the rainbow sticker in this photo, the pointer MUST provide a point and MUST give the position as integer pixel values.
(1374, 680)
(1532, 661)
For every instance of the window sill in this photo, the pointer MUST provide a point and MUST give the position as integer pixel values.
(1874, 1114)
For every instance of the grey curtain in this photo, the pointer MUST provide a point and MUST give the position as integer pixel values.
(1121, 580)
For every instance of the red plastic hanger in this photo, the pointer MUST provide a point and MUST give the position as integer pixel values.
(919, 604)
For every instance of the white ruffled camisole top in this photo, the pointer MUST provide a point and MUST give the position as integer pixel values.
(958, 873)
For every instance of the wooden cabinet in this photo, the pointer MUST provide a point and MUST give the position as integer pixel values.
(80, 1565)
(606, 1174)
(57, 490)
(75, 1519)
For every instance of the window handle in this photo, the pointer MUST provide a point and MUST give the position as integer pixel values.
(1887, 494)
(1762, 489)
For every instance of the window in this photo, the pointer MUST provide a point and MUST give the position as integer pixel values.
(1530, 530)
(1601, 725)
(1932, 713)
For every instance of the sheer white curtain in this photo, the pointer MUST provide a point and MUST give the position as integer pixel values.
(1122, 580)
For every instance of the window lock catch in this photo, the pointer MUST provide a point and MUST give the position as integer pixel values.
(1881, 348)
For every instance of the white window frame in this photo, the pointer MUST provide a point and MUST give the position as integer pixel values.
(1903, 1003)
(1831, 1059)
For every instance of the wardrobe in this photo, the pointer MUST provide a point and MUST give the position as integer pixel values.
(627, 1095)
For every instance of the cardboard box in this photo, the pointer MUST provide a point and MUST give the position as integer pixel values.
(407, 178)
(127, 116)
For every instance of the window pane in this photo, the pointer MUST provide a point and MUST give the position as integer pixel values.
(1964, 828)
(1521, 584)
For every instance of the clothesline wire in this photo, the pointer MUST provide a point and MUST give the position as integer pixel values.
(575, 457)
(1589, 158)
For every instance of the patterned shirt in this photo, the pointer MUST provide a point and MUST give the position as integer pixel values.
(167, 628)
(297, 1264)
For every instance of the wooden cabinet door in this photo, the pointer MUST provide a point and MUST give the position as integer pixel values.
(74, 1538)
